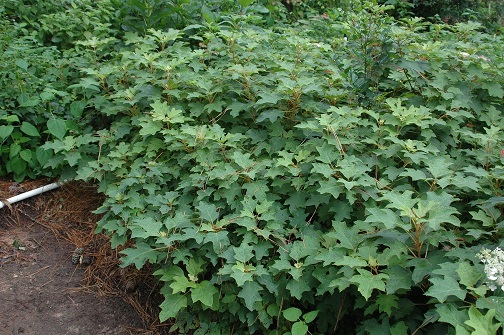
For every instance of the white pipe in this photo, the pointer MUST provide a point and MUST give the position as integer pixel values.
(31, 193)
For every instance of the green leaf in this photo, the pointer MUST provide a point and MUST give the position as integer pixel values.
(171, 306)
(482, 324)
(139, 255)
(269, 97)
(243, 253)
(328, 256)
(18, 166)
(366, 282)
(181, 284)
(43, 155)
(492, 302)
(350, 261)
(243, 160)
(399, 279)
(245, 3)
(26, 155)
(205, 293)
(442, 288)
(401, 201)
(299, 328)
(327, 153)
(271, 115)
(22, 63)
(145, 227)
(399, 328)
(298, 287)
(494, 89)
(242, 273)
(439, 210)
(351, 167)
(374, 327)
(29, 129)
(14, 150)
(449, 313)
(251, 293)
(310, 316)
(5, 131)
(207, 211)
(10, 118)
(77, 108)
(195, 266)
(461, 330)
(73, 158)
(386, 217)
(483, 217)
(469, 274)
(348, 237)
(25, 100)
(149, 128)
(300, 249)
(324, 169)
(167, 274)
(292, 314)
(439, 166)
(387, 302)
(330, 186)
(57, 128)
(414, 174)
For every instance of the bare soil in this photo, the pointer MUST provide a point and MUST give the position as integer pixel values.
(43, 291)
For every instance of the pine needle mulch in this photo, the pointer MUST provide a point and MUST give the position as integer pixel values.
(68, 213)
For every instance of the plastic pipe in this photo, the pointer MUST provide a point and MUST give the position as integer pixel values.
(31, 193)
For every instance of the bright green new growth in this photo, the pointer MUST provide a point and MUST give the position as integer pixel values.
(286, 180)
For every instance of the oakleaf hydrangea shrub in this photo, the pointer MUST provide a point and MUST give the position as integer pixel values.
(280, 183)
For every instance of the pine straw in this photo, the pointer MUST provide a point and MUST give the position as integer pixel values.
(68, 213)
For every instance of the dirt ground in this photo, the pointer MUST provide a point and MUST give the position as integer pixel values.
(48, 288)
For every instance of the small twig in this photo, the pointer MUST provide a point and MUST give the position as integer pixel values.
(339, 311)
(340, 146)
(279, 312)
(38, 271)
(50, 281)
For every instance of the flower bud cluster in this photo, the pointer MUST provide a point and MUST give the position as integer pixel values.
(494, 267)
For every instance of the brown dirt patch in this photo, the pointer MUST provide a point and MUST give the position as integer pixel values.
(43, 292)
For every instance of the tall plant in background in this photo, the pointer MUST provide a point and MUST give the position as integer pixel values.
(141, 15)
(368, 32)
(489, 12)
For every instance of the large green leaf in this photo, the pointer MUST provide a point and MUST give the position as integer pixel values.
(299, 328)
(245, 3)
(250, 293)
(208, 211)
(57, 128)
(5, 131)
(366, 282)
(140, 255)
(29, 129)
(444, 287)
(348, 237)
(451, 314)
(205, 292)
(482, 324)
(171, 306)
(292, 314)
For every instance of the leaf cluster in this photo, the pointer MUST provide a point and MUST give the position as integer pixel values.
(290, 180)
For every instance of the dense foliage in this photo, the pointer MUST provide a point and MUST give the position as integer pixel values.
(334, 174)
